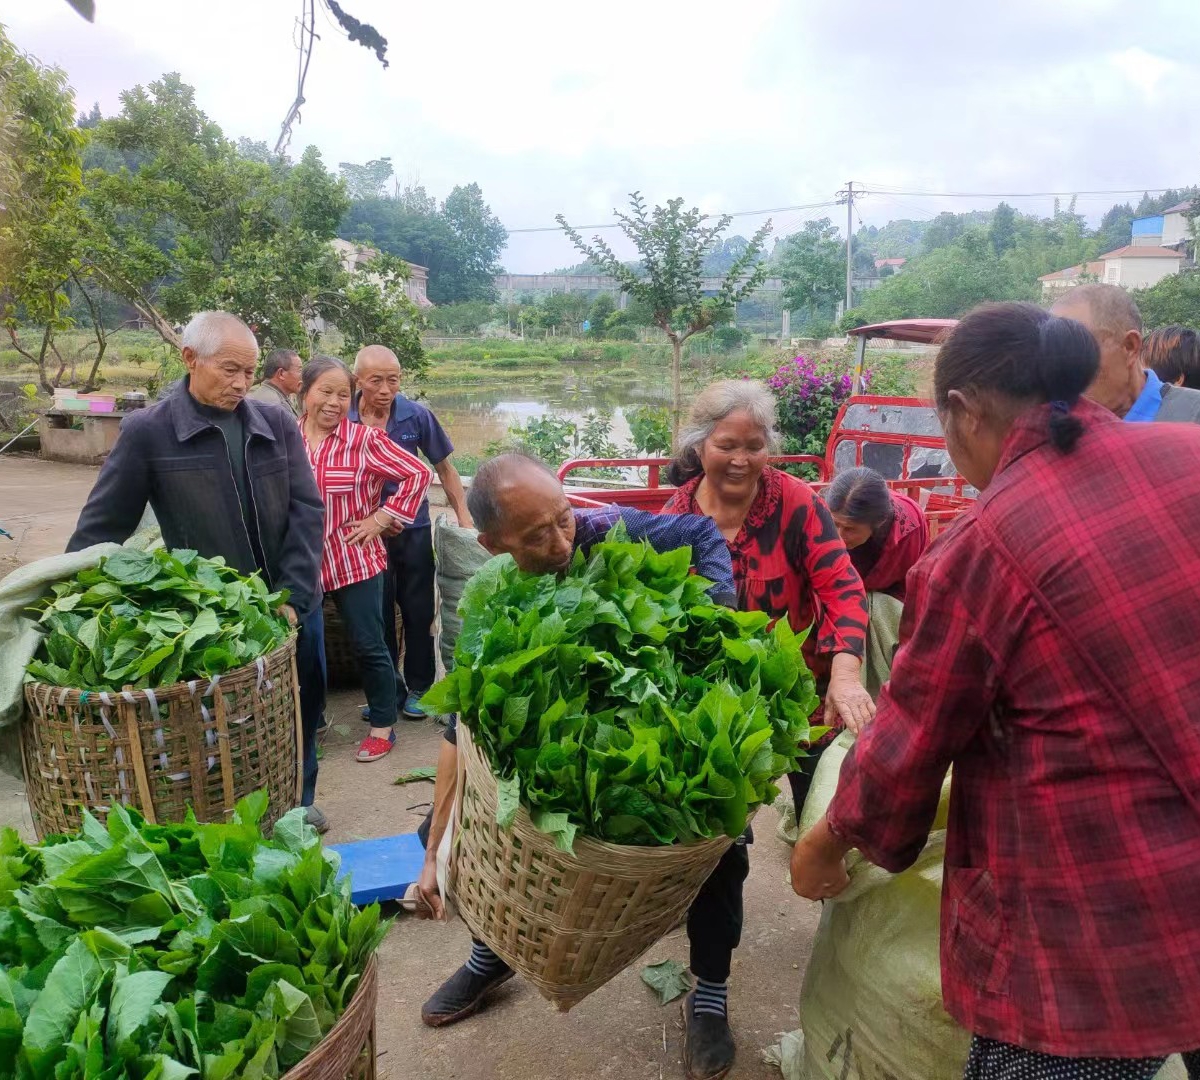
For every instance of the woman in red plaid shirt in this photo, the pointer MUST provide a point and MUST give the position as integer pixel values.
(1050, 654)
(352, 463)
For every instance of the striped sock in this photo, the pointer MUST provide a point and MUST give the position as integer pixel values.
(711, 997)
(483, 961)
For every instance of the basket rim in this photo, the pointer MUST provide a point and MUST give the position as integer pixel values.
(588, 849)
(34, 689)
(360, 1013)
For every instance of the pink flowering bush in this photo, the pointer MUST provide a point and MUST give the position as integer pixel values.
(809, 393)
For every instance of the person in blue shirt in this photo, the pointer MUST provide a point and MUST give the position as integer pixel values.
(1123, 385)
(520, 508)
(379, 403)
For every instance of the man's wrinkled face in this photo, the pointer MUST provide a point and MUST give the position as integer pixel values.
(537, 524)
(223, 379)
(379, 382)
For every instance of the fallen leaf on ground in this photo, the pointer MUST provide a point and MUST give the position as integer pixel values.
(669, 980)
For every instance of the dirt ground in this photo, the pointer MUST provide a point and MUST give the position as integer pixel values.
(619, 1033)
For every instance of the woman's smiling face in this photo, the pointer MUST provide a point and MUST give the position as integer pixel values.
(328, 399)
(734, 456)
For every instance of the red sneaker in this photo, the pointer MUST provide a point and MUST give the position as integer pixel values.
(372, 748)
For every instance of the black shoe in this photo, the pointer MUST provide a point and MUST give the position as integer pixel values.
(314, 817)
(707, 1043)
(461, 996)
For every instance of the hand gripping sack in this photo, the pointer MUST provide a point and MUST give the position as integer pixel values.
(871, 1004)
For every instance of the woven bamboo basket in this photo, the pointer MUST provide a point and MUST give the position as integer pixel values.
(348, 1050)
(341, 657)
(568, 923)
(200, 744)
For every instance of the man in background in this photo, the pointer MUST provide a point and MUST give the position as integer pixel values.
(1123, 385)
(379, 403)
(280, 380)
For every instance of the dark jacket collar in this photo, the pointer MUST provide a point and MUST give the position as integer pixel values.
(189, 421)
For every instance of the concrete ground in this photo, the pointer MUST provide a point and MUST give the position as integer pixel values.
(619, 1033)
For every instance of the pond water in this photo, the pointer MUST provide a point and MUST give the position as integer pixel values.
(476, 414)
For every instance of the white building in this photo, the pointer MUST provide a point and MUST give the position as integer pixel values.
(1135, 267)
(1061, 280)
(353, 256)
(1176, 228)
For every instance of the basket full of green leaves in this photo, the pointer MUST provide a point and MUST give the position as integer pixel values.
(133, 951)
(618, 731)
(164, 681)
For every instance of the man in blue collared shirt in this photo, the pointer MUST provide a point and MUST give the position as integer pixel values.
(1123, 385)
(379, 403)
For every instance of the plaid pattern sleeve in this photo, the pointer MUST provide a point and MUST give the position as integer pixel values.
(665, 532)
(1049, 656)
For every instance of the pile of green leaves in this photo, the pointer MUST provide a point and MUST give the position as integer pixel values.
(159, 952)
(622, 701)
(153, 618)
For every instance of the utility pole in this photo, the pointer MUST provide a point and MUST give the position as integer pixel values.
(849, 239)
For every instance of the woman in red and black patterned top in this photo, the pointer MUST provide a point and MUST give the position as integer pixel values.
(788, 559)
(352, 463)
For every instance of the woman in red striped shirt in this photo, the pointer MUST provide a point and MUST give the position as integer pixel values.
(352, 463)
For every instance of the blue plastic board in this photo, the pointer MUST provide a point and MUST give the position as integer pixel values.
(381, 869)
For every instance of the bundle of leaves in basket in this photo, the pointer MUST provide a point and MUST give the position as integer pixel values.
(153, 618)
(620, 702)
(159, 952)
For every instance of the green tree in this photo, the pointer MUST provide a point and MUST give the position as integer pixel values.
(459, 242)
(477, 238)
(1174, 301)
(562, 312)
(942, 231)
(813, 268)
(943, 284)
(602, 307)
(41, 229)
(199, 225)
(1003, 229)
(673, 244)
(366, 181)
(1116, 227)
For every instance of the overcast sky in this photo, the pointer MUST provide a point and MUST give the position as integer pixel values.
(560, 106)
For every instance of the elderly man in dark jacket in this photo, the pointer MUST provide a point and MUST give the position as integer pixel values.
(226, 476)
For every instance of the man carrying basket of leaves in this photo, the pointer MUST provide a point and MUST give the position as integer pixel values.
(520, 508)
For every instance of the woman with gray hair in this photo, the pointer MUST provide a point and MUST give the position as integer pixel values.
(788, 559)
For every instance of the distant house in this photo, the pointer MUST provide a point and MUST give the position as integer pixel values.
(1176, 228)
(1135, 267)
(1061, 280)
(1169, 229)
(895, 264)
(352, 256)
(1147, 232)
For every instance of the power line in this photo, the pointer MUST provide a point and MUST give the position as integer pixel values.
(1017, 194)
(734, 214)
